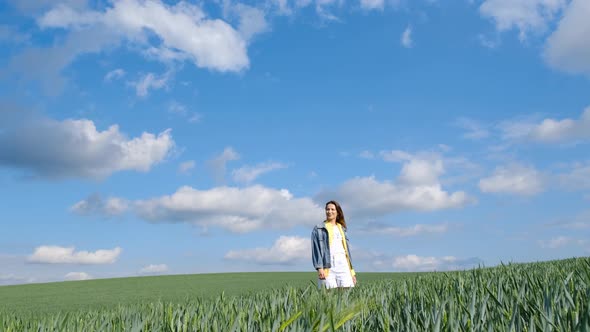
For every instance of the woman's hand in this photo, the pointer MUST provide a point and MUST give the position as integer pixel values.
(321, 274)
(354, 280)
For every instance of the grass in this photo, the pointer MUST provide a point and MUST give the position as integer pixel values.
(107, 293)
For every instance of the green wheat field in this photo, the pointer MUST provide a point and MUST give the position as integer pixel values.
(542, 296)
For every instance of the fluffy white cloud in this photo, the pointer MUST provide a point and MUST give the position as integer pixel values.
(154, 269)
(368, 197)
(247, 174)
(75, 148)
(235, 209)
(513, 179)
(406, 38)
(568, 47)
(77, 276)
(67, 255)
(286, 250)
(417, 188)
(415, 230)
(415, 263)
(549, 130)
(96, 205)
(183, 28)
(525, 15)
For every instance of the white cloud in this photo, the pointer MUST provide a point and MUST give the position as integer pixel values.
(415, 230)
(579, 222)
(252, 20)
(513, 179)
(561, 241)
(365, 196)
(218, 163)
(525, 15)
(417, 188)
(247, 174)
(415, 263)
(95, 205)
(67, 255)
(182, 28)
(154, 269)
(549, 130)
(114, 75)
(576, 179)
(77, 276)
(75, 148)
(568, 47)
(372, 4)
(236, 209)
(286, 250)
(406, 38)
(180, 32)
(186, 167)
(418, 263)
(151, 81)
(12, 279)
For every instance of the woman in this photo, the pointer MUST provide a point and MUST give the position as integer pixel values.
(330, 250)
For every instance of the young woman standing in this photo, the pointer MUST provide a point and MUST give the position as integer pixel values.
(330, 250)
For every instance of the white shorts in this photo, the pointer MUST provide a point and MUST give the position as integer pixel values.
(339, 275)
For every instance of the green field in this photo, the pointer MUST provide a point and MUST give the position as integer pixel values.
(544, 296)
(106, 293)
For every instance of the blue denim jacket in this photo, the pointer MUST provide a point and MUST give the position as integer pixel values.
(320, 248)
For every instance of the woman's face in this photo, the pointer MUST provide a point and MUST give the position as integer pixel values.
(331, 212)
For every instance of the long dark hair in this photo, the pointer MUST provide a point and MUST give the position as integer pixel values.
(340, 217)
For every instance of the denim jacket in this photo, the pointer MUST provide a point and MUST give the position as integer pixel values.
(320, 248)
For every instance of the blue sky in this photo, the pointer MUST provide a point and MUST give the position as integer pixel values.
(162, 137)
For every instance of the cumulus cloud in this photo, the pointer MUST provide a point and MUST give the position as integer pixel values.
(183, 27)
(285, 251)
(179, 32)
(77, 276)
(236, 209)
(67, 255)
(525, 15)
(549, 130)
(154, 269)
(96, 205)
(218, 163)
(415, 263)
(568, 47)
(513, 179)
(251, 20)
(247, 174)
(415, 230)
(418, 263)
(417, 188)
(75, 148)
(406, 38)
